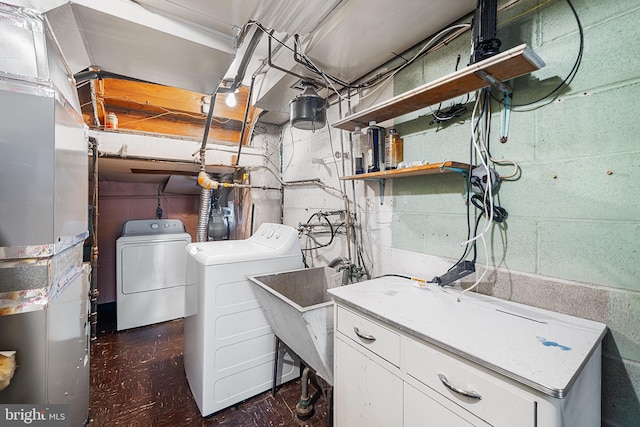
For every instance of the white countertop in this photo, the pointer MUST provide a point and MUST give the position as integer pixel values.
(542, 349)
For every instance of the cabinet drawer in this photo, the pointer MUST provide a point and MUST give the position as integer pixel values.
(369, 334)
(488, 397)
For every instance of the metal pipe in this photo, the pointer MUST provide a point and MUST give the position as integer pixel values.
(284, 70)
(337, 261)
(93, 284)
(304, 408)
(242, 69)
(203, 215)
(344, 185)
(155, 160)
(244, 121)
(244, 63)
(207, 125)
(94, 103)
(205, 181)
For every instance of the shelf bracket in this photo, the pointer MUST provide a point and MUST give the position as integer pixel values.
(382, 183)
(494, 82)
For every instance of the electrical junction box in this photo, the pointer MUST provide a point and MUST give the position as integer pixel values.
(480, 179)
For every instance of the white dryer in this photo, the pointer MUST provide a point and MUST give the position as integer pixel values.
(150, 272)
(228, 343)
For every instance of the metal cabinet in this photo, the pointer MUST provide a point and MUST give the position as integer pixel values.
(366, 392)
(409, 357)
(368, 388)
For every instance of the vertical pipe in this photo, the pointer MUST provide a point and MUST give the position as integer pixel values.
(93, 285)
(244, 121)
(203, 216)
(253, 211)
(347, 208)
(205, 195)
(356, 261)
(94, 103)
(304, 408)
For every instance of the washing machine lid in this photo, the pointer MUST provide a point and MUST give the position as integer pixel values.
(228, 251)
(152, 227)
(268, 242)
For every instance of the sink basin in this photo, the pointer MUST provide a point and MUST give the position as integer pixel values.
(300, 312)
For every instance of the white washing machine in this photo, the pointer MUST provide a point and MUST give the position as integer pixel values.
(228, 343)
(150, 272)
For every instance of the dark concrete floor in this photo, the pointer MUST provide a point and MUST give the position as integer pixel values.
(138, 379)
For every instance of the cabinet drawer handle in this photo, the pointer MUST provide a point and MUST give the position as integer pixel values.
(363, 336)
(447, 384)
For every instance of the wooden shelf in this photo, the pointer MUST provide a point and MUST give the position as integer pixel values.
(504, 66)
(431, 169)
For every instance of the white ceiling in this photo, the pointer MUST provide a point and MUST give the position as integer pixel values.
(195, 44)
(192, 43)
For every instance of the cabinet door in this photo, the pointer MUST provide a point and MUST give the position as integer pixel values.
(422, 411)
(365, 393)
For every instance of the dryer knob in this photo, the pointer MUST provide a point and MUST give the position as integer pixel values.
(154, 225)
(270, 234)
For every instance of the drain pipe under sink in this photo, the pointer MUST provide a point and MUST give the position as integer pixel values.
(304, 408)
(343, 264)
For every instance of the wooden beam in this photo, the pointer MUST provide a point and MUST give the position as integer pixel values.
(147, 107)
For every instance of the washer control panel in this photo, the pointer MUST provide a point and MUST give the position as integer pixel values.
(277, 236)
(142, 227)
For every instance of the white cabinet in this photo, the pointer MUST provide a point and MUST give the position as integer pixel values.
(368, 389)
(406, 357)
(421, 410)
(365, 394)
(469, 388)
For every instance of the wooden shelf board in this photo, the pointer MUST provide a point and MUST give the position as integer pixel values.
(504, 66)
(431, 169)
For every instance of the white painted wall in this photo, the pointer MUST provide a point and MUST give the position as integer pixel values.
(308, 155)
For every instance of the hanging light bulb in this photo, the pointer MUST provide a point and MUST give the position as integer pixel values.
(231, 100)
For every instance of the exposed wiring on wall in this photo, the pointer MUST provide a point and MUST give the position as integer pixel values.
(484, 202)
(553, 94)
(377, 81)
(425, 49)
(479, 279)
(516, 168)
(477, 140)
(520, 15)
(453, 112)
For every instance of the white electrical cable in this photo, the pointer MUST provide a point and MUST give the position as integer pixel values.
(427, 45)
(488, 194)
(475, 285)
(506, 162)
(460, 27)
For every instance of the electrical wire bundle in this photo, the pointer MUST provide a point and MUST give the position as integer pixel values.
(483, 201)
(553, 94)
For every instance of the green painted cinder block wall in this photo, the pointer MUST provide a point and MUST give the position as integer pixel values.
(574, 209)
